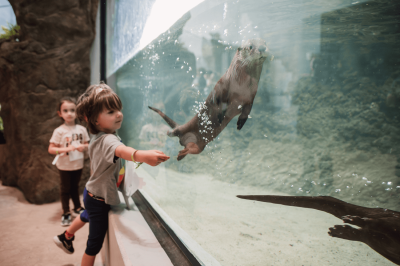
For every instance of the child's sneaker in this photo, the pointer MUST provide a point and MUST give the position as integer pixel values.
(66, 219)
(77, 212)
(63, 243)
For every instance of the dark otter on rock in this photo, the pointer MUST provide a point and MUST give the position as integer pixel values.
(379, 228)
(232, 95)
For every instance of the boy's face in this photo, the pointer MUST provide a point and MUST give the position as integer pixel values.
(109, 120)
(67, 112)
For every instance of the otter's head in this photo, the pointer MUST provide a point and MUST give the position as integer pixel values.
(249, 60)
(253, 51)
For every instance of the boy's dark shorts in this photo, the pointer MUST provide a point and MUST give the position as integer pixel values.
(98, 224)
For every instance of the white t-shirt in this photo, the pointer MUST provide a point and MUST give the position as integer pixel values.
(70, 135)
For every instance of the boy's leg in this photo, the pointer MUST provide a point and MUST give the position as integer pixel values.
(74, 190)
(98, 224)
(77, 224)
(64, 241)
(87, 260)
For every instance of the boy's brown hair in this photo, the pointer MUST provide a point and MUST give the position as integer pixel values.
(95, 99)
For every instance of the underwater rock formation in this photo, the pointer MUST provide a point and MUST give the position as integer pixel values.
(48, 60)
(379, 228)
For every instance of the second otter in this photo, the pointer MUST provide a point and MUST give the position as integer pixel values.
(232, 95)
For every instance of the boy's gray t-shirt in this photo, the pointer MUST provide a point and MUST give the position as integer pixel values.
(105, 167)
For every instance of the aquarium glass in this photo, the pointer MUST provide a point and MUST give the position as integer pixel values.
(324, 121)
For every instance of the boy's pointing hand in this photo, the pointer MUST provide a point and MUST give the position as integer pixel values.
(151, 157)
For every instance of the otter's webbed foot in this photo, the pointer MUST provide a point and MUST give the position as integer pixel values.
(356, 220)
(345, 232)
(190, 148)
(243, 117)
(240, 123)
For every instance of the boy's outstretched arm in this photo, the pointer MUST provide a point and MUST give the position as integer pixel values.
(151, 157)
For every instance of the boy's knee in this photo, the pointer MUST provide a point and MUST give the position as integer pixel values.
(94, 249)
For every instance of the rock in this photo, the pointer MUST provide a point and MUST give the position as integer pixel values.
(50, 60)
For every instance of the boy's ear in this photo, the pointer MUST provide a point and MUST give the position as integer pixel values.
(85, 119)
(59, 113)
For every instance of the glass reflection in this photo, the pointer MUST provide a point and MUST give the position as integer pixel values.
(324, 122)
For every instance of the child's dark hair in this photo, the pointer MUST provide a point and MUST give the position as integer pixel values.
(65, 99)
(95, 99)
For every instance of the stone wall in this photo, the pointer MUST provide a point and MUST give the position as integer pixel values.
(48, 60)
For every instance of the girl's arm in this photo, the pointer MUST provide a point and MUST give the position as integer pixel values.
(151, 157)
(56, 149)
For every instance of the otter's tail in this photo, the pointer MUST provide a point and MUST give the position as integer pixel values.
(170, 122)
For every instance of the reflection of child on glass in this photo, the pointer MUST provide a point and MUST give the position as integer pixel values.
(101, 108)
(70, 170)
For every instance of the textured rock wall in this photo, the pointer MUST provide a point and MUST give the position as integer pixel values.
(49, 60)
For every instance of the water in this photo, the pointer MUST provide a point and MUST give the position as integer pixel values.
(325, 121)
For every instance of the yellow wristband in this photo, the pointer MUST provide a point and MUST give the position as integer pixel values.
(56, 151)
(138, 164)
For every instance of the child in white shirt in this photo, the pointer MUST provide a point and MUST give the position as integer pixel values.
(68, 142)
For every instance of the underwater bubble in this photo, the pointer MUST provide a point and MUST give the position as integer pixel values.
(389, 183)
(364, 178)
(337, 190)
(265, 136)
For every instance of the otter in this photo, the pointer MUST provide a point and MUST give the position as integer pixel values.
(379, 228)
(232, 95)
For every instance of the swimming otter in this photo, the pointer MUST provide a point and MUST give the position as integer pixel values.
(232, 95)
(379, 228)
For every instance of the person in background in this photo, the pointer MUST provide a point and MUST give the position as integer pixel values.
(69, 157)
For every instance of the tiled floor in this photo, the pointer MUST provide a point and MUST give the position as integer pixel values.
(27, 231)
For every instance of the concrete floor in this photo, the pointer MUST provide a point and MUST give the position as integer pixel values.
(27, 231)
